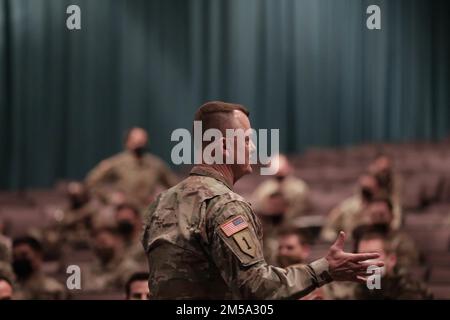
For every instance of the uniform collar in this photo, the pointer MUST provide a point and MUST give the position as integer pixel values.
(210, 172)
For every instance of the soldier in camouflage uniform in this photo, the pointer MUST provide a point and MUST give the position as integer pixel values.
(75, 224)
(379, 215)
(32, 283)
(134, 173)
(397, 251)
(129, 227)
(396, 283)
(391, 183)
(347, 215)
(111, 269)
(293, 190)
(72, 224)
(203, 241)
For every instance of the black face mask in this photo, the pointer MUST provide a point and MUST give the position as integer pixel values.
(385, 179)
(139, 151)
(77, 202)
(277, 219)
(366, 194)
(125, 228)
(22, 267)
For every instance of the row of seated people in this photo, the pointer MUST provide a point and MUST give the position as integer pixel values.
(30, 282)
(114, 256)
(104, 214)
(112, 266)
(376, 206)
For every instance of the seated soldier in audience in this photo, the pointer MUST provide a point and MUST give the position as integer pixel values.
(112, 268)
(345, 215)
(73, 224)
(32, 283)
(378, 218)
(134, 173)
(136, 287)
(129, 226)
(379, 213)
(394, 284)
(294, 191)
(76, 221)
(278, 201)
(391, 183)
(6, 287)
(293, 247)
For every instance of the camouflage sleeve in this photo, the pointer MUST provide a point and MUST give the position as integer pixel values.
(235, 246)
(147, 216)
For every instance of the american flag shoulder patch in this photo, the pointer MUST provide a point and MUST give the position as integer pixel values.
(234, 225)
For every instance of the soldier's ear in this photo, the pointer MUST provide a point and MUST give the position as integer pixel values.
(391, 260)
(307, 249)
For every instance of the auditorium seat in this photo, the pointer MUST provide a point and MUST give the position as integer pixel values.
(433, 240)
(12, 198)
(23, 218)
(438, 259)
(440, 291)
(425, 220)
(420, 273)
(46, 198)
(440, 275)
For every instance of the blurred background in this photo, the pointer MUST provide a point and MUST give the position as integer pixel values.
(342, 96)
(308, 67)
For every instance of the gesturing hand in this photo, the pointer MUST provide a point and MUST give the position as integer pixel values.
(344, 266)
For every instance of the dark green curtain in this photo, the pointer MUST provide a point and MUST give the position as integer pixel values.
(308, 67)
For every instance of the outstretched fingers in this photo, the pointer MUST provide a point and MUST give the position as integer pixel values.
(358, 257)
